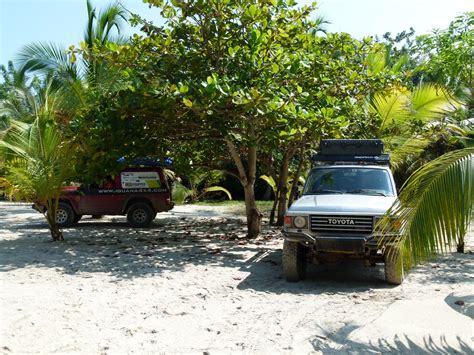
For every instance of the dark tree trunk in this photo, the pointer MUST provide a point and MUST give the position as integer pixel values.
(247, 178)
(283, 189)
(254, 217)
(56, 233)
(294, 185)
(275, 204)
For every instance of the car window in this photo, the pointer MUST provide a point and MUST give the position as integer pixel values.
(365, 181)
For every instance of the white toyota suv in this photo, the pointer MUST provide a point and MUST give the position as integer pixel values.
(346, 193)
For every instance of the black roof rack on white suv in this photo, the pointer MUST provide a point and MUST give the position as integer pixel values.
(351, 151)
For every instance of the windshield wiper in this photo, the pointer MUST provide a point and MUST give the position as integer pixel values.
(325, 191)
(366, 191)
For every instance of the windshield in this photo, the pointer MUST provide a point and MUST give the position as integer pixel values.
(349, 180)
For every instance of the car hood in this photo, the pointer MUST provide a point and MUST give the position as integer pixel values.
(342, 204)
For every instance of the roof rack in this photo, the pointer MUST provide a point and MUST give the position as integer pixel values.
(382, 159)
(351, 151)
(146, 161)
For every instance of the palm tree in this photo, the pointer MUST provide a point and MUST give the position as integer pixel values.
(71, 77)
(37, 163)
(435, 207)
(406, 118)
(35, 157)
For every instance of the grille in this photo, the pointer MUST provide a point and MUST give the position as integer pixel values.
(341, 224)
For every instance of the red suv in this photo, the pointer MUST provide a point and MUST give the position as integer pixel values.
(139, 193)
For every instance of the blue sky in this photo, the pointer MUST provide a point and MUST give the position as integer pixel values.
(63, 21)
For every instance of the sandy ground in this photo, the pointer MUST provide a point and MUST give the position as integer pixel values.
(190, 284)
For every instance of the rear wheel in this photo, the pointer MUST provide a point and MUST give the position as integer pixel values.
(294, 261)
(140, 215)
(394, 273)
(65, 215)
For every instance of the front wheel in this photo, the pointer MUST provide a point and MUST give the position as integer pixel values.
(394, 273)
(294, 261)
(65, 215)
(140, 215)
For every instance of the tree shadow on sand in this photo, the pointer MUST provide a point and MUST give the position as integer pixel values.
(124, 252)
(265, 275)
(339, 343)
(171, 243)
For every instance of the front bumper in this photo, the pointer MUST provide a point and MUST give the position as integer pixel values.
(353, 244)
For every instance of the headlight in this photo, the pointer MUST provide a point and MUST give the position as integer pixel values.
(299, 221)
(392, 225)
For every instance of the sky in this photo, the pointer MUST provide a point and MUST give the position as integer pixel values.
(63, 21)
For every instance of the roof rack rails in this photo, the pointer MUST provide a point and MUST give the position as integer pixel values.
(146, 161)
(382, 159)
(351, 151)
(351, 146)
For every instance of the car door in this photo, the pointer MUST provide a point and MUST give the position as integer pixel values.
(100, 200)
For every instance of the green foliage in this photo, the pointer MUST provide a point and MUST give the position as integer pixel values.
(37, 165)
(404, 118)
(435, 206)
(271, 182)
(445, 56)
(180, 192)
(75, 74)
(199, 182)
(215, 189)
(241, 78)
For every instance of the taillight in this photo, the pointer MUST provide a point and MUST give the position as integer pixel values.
(288, 221)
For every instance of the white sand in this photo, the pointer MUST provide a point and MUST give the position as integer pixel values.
(189, 284)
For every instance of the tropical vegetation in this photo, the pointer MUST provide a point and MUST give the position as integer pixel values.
(247, 89)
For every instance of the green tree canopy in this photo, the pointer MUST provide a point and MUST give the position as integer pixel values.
(240, 78)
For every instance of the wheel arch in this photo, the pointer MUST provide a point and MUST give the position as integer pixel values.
(72, 205)
(132, 200)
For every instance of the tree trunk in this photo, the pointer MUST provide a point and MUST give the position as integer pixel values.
(275, 204)
(283, 188)
(56, 233)
(254, 218)
(294, 185)
(50, 215)
(247, 179)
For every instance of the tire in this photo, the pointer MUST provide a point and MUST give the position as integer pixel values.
(65, 215)
(294, 261)
(394, 273)
(77, 218)
(140, 214)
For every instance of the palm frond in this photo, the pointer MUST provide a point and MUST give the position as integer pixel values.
(47, 58)
(113, 16)
(180, 192)
(376, 61)
(430, 102)
(401, 148)
(398, 65)
(390, 108)
(270, 181)
(89, 32)
(36, 158)
(217, 188)
(435, 205)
